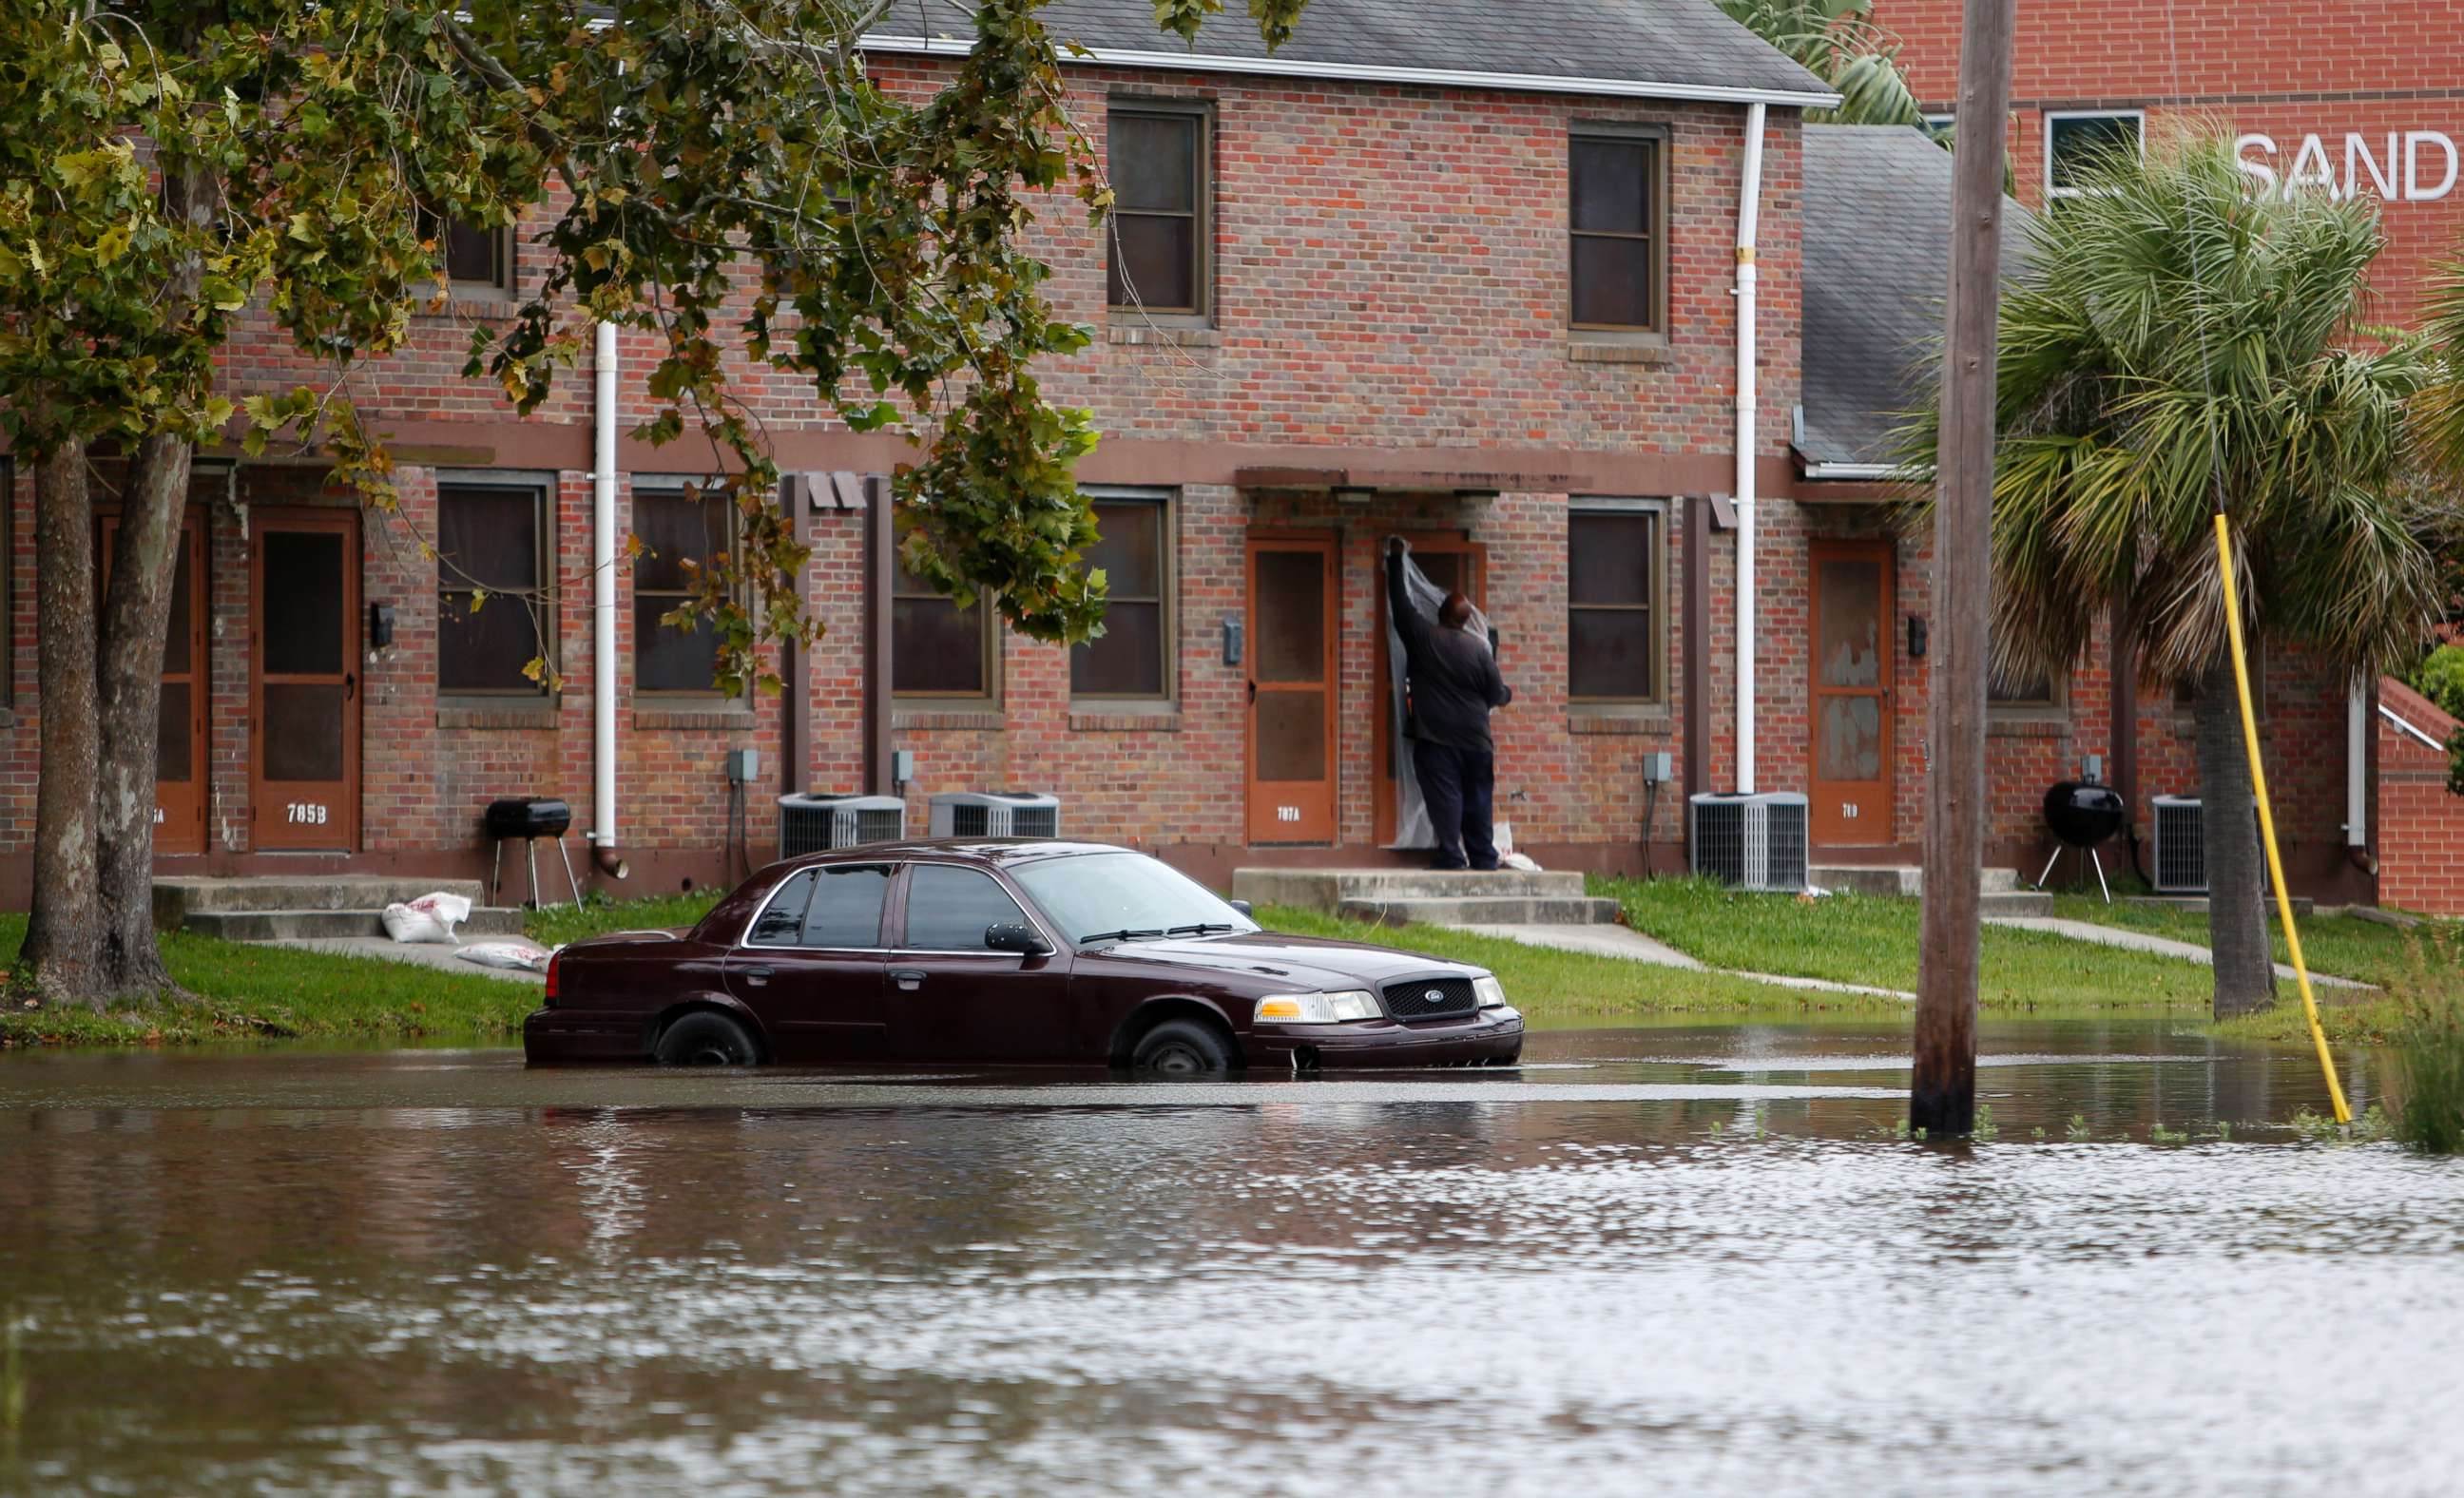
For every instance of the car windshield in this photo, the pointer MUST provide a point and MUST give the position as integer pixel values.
(1099, 895)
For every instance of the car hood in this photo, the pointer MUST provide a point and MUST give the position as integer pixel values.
(1278, 962)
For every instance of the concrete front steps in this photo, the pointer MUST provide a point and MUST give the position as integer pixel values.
(1442, 897)
(282, 908)
(1998, 889)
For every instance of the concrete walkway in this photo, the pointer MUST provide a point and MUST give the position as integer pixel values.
(1624, 942)
(2143, 941)
(419, 954)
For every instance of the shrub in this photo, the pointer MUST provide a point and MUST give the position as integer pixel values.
(2429, 1052)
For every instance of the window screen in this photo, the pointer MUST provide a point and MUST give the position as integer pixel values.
(948, 908)
(937, 648)
(1157, 160)
(1613, 213)
(1133, 657)
(490, 540)
(675, 527)
(846, 908)
(1613, 605)
(782, 921)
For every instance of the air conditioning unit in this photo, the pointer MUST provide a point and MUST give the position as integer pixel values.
(812, 823)
(995, 814)
(2181, 844)
(1754, 842)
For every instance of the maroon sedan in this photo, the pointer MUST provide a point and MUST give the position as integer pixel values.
(1007, 951)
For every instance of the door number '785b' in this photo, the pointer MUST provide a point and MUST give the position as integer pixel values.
(308, 811)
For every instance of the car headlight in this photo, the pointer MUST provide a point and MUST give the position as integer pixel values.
(1490, 992)
(1318, 1008)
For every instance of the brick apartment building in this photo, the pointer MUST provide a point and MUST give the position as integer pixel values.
(1436, 268)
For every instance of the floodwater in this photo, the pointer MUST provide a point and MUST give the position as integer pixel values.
(1658, 1260)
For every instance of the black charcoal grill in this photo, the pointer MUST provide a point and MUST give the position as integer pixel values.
(530, 817)
(2081, 814)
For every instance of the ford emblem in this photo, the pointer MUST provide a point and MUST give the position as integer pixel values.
(1435, 995)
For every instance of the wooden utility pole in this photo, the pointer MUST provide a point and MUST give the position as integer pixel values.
(1943, 1094)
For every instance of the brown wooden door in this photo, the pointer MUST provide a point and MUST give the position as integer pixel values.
(1852, 693)
(1292, 787)
(304, 680)
(1456, 565)
(180, 771)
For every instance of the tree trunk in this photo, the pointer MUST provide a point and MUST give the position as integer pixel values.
(2245, 970)
(136, 614)
(62, 959)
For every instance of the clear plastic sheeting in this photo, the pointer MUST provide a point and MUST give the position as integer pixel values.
(1412, 828)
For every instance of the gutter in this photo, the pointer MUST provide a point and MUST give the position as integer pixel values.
(1384, 72)
(1844, 473)
(1748, 216)
(2357, 753)
(603, 607)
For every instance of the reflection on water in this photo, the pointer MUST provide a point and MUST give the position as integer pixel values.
(1678, 1260)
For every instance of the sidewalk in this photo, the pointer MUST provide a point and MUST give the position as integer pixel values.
(2143, 941)
(437, 954)
(1624, 942)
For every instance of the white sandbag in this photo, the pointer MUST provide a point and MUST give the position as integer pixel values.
(432, 917)
(519, 955)
(1503, 836)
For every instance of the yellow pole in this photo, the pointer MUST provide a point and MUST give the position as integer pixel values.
(2267, 821)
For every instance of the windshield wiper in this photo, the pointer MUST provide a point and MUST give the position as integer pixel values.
(1131, 935)
(1202, 928)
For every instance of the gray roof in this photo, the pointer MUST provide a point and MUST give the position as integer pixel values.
(1686, 48)
(1877, 204)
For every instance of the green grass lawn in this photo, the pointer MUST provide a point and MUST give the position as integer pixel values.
(560, 924)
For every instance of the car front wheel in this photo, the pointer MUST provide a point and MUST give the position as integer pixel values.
(703, 1039)
(1182, 1049)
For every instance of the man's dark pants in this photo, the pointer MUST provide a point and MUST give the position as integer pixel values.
(1457, 784)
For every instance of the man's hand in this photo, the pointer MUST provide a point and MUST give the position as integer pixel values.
(1395, 546)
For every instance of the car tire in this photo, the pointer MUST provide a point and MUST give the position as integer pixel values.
(705, 1039)
(1182, 1050)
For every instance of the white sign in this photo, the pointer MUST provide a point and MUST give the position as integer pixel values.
(2397, 165)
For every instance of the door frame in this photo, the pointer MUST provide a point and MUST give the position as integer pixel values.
(1327, 543)
(1884, 554)
(178, 831)
(344, 520)
(1383, 789)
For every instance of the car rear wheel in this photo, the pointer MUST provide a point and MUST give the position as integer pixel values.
(1182, 1049)
(703, 1039)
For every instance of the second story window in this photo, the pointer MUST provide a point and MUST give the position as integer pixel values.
(1156, 154)
(479, 261)
(1617, 223)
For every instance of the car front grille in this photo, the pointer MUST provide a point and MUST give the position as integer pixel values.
(1431, 998)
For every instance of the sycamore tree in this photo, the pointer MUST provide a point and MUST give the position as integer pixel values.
(2184, 344)
(722, 173)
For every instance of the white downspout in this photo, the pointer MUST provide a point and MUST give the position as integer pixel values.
(1748, 212)
(603, 607)
(2357, 752)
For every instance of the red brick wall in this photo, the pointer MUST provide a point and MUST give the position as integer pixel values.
(2421, 824)
(2286, 69)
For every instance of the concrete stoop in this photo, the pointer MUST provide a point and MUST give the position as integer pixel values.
(2000, 892)
(288, 909)
(1442, 897)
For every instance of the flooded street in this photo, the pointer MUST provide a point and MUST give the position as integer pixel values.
(1660, 1259)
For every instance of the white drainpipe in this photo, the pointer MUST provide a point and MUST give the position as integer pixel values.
(1748, 211)
(603, 608)
(2357, 750)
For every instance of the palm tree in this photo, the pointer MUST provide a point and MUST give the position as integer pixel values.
(2184, 342)
(1837, 42)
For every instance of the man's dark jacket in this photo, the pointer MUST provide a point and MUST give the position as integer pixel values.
(1454, 677)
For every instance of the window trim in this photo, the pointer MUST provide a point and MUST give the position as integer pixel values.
(1658, 700)
(667, 486)
(1167, 601)
(1201, 211)
(542, 487)
(891, 871)
(2056, 708)
(2138, 116)
(1656, 212)
(992, 639)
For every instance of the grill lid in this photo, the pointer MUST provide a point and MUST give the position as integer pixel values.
(528, 816)
(2083, 814)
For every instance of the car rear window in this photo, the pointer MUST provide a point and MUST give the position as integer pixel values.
(948, 908)
(784, 918)
(846, 908)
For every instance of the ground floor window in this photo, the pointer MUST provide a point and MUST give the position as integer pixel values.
(683, 532)
(939, 649)
(1617, 616)
(493, 634)
(1133, 659)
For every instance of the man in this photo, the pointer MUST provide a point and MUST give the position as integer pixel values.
(1453, 682)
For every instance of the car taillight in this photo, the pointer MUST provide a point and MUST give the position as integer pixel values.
(552, 964)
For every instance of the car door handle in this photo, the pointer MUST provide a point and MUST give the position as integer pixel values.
(907, 978)
(756, 975)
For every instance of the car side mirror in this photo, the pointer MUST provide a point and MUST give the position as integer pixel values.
(1243, 906)
(1013, 936)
